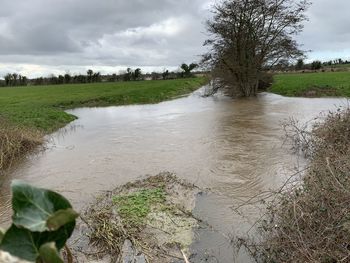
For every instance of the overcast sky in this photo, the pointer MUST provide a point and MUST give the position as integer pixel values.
(40, 37)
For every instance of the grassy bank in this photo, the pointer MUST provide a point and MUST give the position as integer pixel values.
(310, 222)
(40, 109)
(312, 84)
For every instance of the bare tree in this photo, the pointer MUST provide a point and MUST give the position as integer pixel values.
(136, 74)
(14, 78)
(67, 78)
(165, 74)
(89, 75)
(8, 79)
(248, 36)
(96, 77)
(127, 76)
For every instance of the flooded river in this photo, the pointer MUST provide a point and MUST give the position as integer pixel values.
(233, 147)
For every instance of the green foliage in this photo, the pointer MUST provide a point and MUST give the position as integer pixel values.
(315, 65)
(39, 210)
(135, 207)
(41, 107)
(301, 83)
(49, 253)
(188, 68)
(42, 223)
(300, 64)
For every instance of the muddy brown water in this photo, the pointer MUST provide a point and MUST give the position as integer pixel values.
(233, 147)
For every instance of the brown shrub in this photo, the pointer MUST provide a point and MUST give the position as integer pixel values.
(15, 142)
(310, 222)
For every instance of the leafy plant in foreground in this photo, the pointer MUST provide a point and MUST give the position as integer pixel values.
(42, 223)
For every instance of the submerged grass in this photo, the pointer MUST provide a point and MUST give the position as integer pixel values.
(322, 84)
(134, 208)
(310, 222)
(27, 113)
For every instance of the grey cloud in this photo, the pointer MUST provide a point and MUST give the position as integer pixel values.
(65, 34)
(93, 32)
(327, 32)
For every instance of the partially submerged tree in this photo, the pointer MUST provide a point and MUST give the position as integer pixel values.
(249, 36)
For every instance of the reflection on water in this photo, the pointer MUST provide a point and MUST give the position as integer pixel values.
(233, 147)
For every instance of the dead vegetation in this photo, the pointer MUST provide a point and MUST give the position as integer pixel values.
(310, 221)
(153, 215)
(15, 142)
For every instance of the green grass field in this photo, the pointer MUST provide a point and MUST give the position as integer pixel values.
(42, 107)
(338, 66)
(312, 84)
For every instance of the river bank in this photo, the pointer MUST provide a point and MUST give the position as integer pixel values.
(319, 84)
(28, 113)
(308, 221)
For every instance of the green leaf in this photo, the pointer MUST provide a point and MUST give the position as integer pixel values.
(48, 253)
(34, 206)
(19, 243)
(25, 244)
(60, 218)
(40, 217)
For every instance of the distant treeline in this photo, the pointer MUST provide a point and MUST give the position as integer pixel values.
(129, 74)
(314, 65)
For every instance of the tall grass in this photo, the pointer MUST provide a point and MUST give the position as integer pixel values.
(15, 142)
